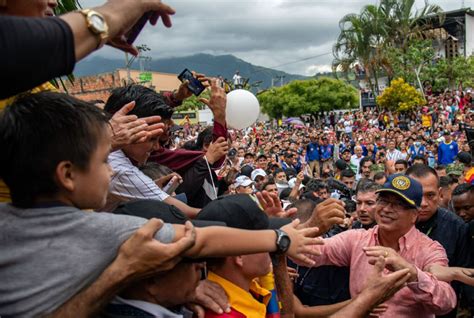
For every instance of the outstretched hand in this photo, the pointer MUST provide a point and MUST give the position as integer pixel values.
(217, 102)
(302, 243)
(271, 205)
(326, 214)
(381, 287)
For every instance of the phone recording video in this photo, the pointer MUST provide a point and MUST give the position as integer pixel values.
(194, 85)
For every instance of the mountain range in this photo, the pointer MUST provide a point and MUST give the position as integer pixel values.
(211, 65)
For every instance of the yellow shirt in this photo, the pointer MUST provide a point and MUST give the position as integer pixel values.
(241, 300)
(4, 191)
(426, 120)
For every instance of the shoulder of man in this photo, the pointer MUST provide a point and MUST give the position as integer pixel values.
(446, 216)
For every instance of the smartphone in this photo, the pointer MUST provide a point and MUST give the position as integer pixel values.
(171, 186)
(133, 33)
(194, 85)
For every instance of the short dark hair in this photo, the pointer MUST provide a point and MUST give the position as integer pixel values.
(37, 132)
(418, 157)
(270, 182)
(277, 171)
(204, 138)
(420, 171)
(379, 175)
(462, 188)
(347, 173)
(147, 102)
(402, 162)
(315, 185)
(446, 181)
(305, 208)
(367, 185)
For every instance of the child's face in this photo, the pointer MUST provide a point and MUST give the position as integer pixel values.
(91, 186)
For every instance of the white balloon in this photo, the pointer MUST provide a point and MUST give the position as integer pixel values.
(242, 109)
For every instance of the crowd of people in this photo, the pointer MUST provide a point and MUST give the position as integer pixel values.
(114, 211)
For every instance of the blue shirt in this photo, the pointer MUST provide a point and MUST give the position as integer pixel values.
(447, 152)
(312, 151)
(413, 151)
(326, 151)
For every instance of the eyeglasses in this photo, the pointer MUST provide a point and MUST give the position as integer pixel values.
(398, 206)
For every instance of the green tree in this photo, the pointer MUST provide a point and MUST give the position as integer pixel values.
(365, 38)
(193, 103)
(361, 42)
(445, 73)
(414, 64)
(404, 23)
(400, 96)
(308, 97)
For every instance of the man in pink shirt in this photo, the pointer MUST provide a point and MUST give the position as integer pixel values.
(402, 245)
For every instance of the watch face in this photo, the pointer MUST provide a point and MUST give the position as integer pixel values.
(97, 23)
(284, 243)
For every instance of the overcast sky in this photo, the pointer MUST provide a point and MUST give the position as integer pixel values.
(271, 33)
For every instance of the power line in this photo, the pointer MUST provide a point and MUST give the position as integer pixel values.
(293, 62)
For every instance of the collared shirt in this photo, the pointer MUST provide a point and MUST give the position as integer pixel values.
(129, 183)
(243, 303)
(422, 299)
(394, 155)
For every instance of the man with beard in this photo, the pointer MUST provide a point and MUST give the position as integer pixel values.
(366, 200)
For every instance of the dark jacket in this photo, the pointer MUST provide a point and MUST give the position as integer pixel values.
(452, 233)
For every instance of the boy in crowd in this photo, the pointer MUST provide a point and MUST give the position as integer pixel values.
(45, 233)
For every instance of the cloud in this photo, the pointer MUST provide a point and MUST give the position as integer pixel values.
(263, 32)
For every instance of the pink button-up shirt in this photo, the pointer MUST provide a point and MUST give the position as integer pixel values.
(426, 298)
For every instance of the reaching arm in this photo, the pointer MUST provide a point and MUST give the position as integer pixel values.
(52, 46)
(216, 241)
(140, 256)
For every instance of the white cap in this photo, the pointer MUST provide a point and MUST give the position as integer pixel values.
(242, 181)
(256, 173)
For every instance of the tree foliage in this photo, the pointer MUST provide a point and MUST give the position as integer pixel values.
(400, 96)
(193, 103)
(366, 38)
(308, 97)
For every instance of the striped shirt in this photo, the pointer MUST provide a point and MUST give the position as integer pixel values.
(129, 183)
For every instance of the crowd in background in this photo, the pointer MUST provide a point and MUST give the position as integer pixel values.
(114, 211)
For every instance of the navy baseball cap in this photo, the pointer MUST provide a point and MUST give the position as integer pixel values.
(405, 187)
(242, 211)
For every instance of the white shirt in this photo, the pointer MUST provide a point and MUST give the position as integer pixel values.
(237, 79)
(129, 183)
(348, 126)
(394, 155)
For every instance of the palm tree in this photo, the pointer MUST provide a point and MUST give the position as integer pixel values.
(365, 37)
(405, 24)
(360, 42)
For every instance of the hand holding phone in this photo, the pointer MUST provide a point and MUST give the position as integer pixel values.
(194, 85)
(171, 186)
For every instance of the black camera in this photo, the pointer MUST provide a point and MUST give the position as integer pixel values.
(232, 153)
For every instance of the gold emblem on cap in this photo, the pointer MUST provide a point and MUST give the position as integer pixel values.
(401, 183)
